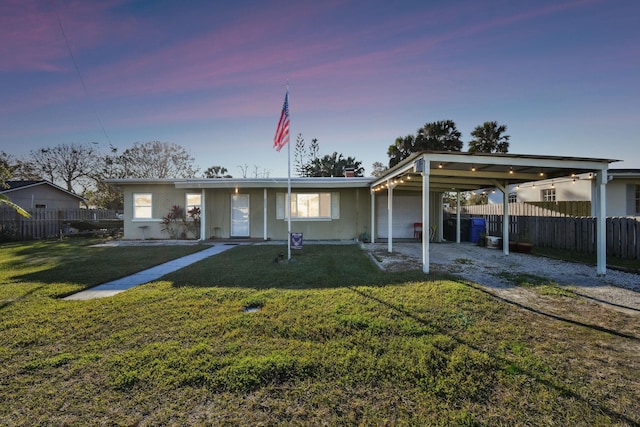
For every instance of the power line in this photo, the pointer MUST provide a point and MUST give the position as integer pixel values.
(75, 64)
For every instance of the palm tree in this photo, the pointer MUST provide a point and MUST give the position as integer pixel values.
(5, 175)
(401, 149)
(439, 136)
(489, 138)
(216, 172)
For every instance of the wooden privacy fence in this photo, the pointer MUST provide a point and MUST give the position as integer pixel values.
(574, 208)
(571, 233)
(45, 223)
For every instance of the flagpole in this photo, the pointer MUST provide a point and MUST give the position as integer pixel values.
(282, 137)
(289, 186)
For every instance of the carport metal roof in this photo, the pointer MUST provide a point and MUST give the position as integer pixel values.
(462, 171)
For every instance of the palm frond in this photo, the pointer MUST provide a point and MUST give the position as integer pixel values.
(4, 200)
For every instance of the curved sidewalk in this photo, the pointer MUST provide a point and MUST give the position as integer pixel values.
(154, 273)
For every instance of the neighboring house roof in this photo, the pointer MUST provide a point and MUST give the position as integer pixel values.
(22, 184)
(12, 185)
(624, 173)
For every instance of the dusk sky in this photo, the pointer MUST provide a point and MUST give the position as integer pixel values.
(563, 76)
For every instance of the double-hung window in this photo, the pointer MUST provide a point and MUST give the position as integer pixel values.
(193, 200)
(142, 206)
(309, 206)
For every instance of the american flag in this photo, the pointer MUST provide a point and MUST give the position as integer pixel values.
(282, 131)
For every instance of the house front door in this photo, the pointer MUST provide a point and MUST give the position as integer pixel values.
(240, 215)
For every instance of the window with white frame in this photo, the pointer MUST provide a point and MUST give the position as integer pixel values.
(309, 206)
(513, 198)
(193, 200)
(549, 195)
(142, 205)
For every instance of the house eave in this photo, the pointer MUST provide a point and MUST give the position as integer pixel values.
(204, 183)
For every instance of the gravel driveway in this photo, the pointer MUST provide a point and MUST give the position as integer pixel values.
(487, 267)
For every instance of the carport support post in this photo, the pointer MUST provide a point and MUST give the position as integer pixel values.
(458, 215)
(389, 216)
(373, 216)
(425, 215)
(203, 217)
(601, 222)
(505, 223)
(505, 216)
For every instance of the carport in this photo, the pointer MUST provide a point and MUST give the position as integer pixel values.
(431, 172)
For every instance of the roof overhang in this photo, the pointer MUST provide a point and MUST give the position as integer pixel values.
(624, 173)
(462, 171)
(204, 183)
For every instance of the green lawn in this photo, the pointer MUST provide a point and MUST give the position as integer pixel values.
(334, 341)
(632, 265)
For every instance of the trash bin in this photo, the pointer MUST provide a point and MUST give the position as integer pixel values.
(464, 229)
(449, 230)
(476, 228)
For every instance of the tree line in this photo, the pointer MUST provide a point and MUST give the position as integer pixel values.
(308, 162)
(83, 168)
(443, 135)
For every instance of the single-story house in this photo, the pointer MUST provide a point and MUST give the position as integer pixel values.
(385, 207)
(322, 208)
(623, 191)
(40, 194)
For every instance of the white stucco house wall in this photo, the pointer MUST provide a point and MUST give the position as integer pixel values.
(623, 191)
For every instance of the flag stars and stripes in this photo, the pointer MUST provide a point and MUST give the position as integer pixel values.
(282, 131)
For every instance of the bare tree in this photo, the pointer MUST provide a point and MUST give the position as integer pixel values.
(5, 168)
(260, 174)
(378, 169)
(244, 169)
(105, 195)
(69, 165)
(157, 159)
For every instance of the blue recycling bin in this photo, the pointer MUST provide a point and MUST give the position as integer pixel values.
(476, 228)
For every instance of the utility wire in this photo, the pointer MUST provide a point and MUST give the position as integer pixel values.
(75, 64)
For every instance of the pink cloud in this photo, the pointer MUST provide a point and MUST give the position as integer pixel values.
(32, 39)
(255, 49)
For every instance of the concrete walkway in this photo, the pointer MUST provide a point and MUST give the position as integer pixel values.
(154, 273)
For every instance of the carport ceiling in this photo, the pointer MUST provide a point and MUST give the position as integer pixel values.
(461, 171)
